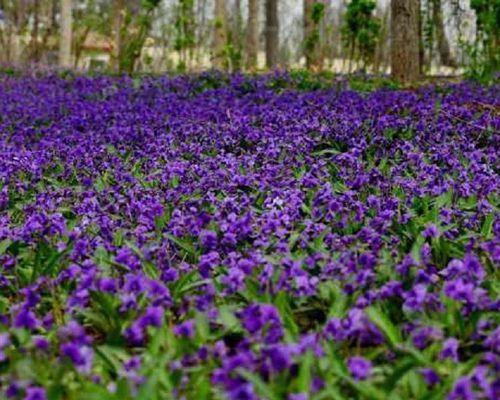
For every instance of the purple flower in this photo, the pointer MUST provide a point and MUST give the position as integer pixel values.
(108, 285)
(431, 231)
(279, 357)
(243, 392)
(41, 343)
(298, 396)
(450, 349)
(460, 290)
(415, 298)
(425, 335)
(12, 390)
(152, 317)
(4, 340)
(35, 393)
(493, 340)
(73, 331)
(187, 329)
(26, 319)
(262, 320)
(474, 267)
(430, 376)
(80, 356)
(294, 211)
(359, 367)
(208, 262)
(208, 239)
(462, 390)
(135, 334)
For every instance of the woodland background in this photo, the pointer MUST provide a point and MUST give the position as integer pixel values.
(449, 37)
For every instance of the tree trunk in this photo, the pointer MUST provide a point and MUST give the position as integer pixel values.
(34, 47)
(272, 33)
(442, 41)
(220, 34)
(312, 46)
(66, 33)
(78, 46)
(421, 49)
(381, 47)
(237, 20)
(20, 17)
(201, 29)
(252, 34)
(308, 30)
(118, 17)
(51, 17)
(405, 60)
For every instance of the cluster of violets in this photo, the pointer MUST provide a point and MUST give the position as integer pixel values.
(233, 237)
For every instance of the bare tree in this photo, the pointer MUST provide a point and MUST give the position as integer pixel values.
(442, 41)
(272, 33)
(66, 33)
(252, 34)
(220, 34)
(405, 60)
(15, 16)
(118, 16)
(33, 47)
(313, 14)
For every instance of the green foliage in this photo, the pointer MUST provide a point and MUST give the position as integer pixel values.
(318, 12)
(233, 52)
(134, 32)
(360, 30)
(312, 45)
(184, 30)
(485, 52)
(365, 84)
(303, 79)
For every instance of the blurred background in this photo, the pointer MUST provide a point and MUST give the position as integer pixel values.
(451, 37)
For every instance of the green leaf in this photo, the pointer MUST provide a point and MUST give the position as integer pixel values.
(339, 369)
(305, 373)
(326, 152)
(486, 229)
(417, 247)
(132, 246)
(92, 391)
(148, 391)
(282, 303)
(392, 334)
(174, 182)
(4, 245)
(227, 318)
(401, 368)
(118, 238)
(260, 386)
(184, 244)
(112, 356)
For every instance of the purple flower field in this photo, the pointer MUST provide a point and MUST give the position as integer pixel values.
(231, 237)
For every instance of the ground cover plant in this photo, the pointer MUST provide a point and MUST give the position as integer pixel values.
(218, 237)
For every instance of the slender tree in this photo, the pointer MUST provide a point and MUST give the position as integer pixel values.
(118, 15)
(50, 30)
(66, 33)
(442, 41)
(184, 32)
(314, 11)
(220, 34)
(405, 60)
(381, 50)
(272, 33)
(34, 48)
(252, 34)
(421, 47)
